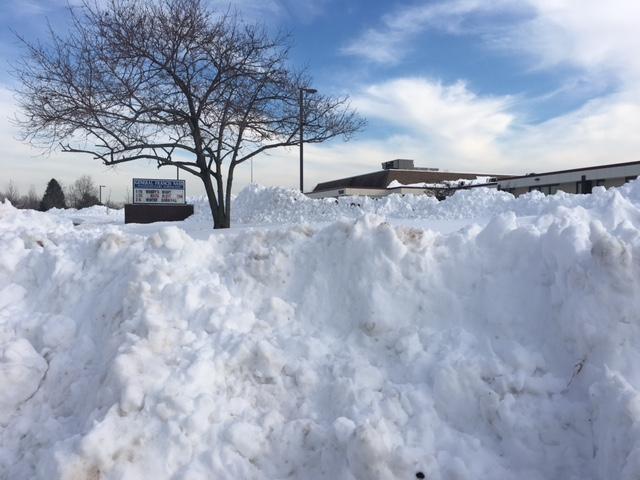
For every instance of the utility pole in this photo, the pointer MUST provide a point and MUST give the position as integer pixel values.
(302, 92)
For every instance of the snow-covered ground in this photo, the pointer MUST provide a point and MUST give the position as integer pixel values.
(482, 337)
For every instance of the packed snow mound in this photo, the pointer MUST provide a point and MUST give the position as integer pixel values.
(352, 350)
(273, 205)
(96, 214)
(460, 182)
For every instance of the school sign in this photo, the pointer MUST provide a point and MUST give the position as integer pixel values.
(158, 191)
(157, 200)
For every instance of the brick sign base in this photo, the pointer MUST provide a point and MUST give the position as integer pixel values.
(134, 213)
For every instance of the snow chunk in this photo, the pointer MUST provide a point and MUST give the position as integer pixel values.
(248, 439)
(21, 371)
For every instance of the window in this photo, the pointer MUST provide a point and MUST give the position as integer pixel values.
(584, 186)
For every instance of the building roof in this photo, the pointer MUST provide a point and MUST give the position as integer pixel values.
(383, 178)
(571, 170)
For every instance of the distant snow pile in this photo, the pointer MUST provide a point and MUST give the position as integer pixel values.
(96, 214)
(479, 180)
(354, 350)
(272, 205)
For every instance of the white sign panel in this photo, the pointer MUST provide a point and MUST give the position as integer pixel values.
(158, 191)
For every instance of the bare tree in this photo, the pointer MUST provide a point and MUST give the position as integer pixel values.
(12, 193)
(171, 82)
(83, 193)
(31, 200)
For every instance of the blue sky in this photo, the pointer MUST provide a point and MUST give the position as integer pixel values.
(504, 86)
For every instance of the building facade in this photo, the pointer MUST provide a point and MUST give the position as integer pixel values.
(576, 180)
(397, 176)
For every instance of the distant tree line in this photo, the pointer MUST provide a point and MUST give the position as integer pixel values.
(82, 193)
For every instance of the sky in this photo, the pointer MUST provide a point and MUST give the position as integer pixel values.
(487, 86)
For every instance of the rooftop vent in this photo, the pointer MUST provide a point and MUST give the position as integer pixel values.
(398, 164)
(405, 164)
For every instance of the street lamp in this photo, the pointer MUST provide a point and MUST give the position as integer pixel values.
(101, 187)
(302, 92)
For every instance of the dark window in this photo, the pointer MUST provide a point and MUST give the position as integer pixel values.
(584, 186)
(587, 186)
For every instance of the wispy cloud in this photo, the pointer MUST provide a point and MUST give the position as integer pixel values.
(440, 125)
(278, 10)
(251, 10)
(392, 40)
(603, 130)
(451, 127)
(591, 34)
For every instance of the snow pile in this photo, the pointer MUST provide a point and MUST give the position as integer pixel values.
(480, 180)
(351, 350)
(96, 214)
(272, 205)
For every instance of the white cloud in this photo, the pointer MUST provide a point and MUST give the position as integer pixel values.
(453, 126)
(450, 127)
(438, 125)
(604, 130)
(443, 125)
(449, 118)
(390, 42)
(600, 37)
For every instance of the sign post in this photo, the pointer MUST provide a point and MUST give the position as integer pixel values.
(157, 200)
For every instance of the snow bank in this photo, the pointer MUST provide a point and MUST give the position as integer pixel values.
(96, 214)
(272, 205)
(480, 180)
(351, 350)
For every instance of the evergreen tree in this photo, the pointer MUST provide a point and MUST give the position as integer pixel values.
(53, 196)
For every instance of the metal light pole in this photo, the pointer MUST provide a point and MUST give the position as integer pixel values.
(302, 92)
(101, 187)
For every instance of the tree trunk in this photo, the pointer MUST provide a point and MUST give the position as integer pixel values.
(217, 210)
(227, 210)
(222, 205)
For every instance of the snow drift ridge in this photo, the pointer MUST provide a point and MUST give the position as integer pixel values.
(353, 350)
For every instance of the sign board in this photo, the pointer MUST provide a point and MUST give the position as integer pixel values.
(158, 191)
